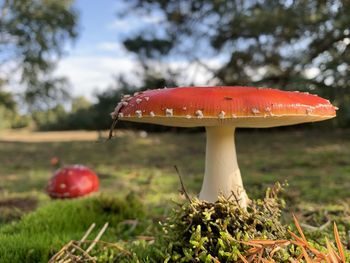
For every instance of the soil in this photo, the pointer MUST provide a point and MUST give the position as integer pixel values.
(23, 204)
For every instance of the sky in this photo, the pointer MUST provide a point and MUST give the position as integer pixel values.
(97, 55)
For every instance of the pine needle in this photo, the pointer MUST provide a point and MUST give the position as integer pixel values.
(297, 225)
(339, 244)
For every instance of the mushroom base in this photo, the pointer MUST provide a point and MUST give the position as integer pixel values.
(222, 175)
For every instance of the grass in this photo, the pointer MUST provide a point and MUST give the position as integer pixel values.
(315, 164)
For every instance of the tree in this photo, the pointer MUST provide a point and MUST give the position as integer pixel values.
(80, 103)
(302, 45)
(32, 38)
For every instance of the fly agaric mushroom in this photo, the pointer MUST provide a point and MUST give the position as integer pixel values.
(221, 110)
(72, 181)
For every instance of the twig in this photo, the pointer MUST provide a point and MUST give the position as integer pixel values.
(115, 116)
(236, 199)
(85, 253)
(183, 189)
(67, 252)
(87, 233)
(59, 253)
(115, 121)
(146, 238)
(97, 238)
(315, 228)
(115, 245)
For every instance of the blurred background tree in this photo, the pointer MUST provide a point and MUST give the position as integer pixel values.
(292, 45)
(33, 34)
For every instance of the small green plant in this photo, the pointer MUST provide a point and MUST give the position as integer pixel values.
(216, 232)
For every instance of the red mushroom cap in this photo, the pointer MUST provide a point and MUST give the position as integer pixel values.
(216, 106)
(72, 181)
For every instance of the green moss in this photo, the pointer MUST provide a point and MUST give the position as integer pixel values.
(201, 231)
(42, 233)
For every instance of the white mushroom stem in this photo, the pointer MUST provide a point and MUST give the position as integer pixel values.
(222, 175)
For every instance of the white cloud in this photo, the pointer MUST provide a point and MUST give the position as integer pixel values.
(111, 47)
(152, 19)
(135, 22)
(92, 73)
(122, 24)
(95, 72)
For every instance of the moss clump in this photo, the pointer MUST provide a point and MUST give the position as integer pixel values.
(199, 231)
(40, 234)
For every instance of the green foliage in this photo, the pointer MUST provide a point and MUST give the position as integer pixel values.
(5, 117)
(80, 103)
(293, 45)
(32, 36)
(96, 116)
(45, 118)
(147, 48)
(8, 111)
(21, 121)
(7, 101)
(9, 116)
(42, 233)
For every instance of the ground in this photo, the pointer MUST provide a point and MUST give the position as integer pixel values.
(316, 165)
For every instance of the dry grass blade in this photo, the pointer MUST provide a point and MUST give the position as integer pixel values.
(251, 244)
(273, 251)
(262, 242)
(299, 240)
(339, 244)
(183, 189)
(306, 256)
(300, 257)
(282, 242)
(251, 258)
(313, 228)
(87, 233)
(297, 225)
(114, 123)
(260, 256)
(60, 253)
(83, 252)
(253, 250)
(97, 238)
(301, 243)
(214, 259)
(108, 244)
(332, 255)
(66, 255)
(255, 253)
(146, 238)
(244, 260)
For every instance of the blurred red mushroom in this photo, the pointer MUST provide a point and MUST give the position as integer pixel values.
(55, 161)
(72, 181)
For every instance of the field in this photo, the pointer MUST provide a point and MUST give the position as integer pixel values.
(316, 165)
